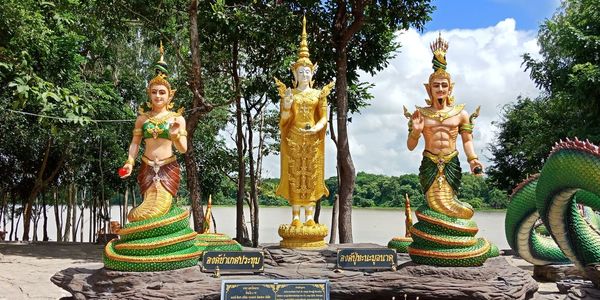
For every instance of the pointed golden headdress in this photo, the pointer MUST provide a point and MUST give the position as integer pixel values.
(439, 48)
(303, 54)
(160, 69)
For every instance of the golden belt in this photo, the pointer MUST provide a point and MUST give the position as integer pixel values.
(437, 158)
(158, 163)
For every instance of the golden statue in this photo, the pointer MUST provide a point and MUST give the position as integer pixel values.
(401, 243)
(303, 125)
(444, 234)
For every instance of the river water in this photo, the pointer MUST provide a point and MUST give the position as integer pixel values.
(369, 225)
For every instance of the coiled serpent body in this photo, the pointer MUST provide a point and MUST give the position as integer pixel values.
(569, 180)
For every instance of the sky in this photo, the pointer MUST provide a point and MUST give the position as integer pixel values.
(487, 39)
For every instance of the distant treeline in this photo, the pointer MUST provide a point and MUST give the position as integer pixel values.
(379, 191)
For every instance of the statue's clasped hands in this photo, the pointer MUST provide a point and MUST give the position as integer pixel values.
(313, 129)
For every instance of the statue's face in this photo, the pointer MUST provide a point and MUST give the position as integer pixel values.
(440, 88)
(159, 95)
(303, 75)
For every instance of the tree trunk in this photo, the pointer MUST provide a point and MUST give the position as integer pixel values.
(345, 164)
(2, 205)
(317, 211)
(67, 228)
(17, 225)
(198, 108)
(36, 219)
(239, 141)
(74, 214)
(45, 238)
(346, 24)
(91, 218)
(38, 186)
(12, 219)
(5, 205)
(334, 220)
(253, 179)
(81, 220)
(94, 220)
(57, 218)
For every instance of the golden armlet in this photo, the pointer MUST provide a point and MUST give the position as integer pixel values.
(467, 128)
(137, 132)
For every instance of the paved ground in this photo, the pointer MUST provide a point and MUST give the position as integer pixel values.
(26, 268)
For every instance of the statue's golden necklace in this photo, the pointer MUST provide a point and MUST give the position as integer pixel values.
(440, 115)
(158, 126)
(159, 120)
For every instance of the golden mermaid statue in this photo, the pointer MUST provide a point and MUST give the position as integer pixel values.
(303, 123)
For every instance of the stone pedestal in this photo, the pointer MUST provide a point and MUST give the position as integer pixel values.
(496, 279)
(303, 237)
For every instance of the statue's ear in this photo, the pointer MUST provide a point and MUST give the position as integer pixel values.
(314, 69)
(428, 88)
(451, 88)
(295, 73)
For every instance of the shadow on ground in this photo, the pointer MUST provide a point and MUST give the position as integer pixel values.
(50, 250)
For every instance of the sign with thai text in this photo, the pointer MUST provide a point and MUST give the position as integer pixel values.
(367, 258)
(275, 289)
(233, 261)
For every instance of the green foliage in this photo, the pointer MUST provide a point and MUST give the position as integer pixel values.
(568, 71)
(570, 44)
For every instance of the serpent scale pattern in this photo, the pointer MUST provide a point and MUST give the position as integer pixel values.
(569, 180)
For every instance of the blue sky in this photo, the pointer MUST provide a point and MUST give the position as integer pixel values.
(471, 14)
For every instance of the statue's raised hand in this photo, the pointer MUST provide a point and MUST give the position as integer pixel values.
(418, 122)
(175, 127)
(288, 99)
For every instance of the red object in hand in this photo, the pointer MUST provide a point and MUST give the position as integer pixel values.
(122, 172)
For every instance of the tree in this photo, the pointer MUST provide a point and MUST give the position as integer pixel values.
(570, 64)
(568, 73)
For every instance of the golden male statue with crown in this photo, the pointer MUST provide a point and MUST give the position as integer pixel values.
(303, 123)
(445, 233)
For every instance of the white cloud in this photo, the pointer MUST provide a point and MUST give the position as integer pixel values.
(485, 65)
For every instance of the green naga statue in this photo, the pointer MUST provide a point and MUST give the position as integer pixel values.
(564, 196)
(444, 233)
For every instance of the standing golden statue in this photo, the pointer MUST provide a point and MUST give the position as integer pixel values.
(303, 123)
(444, 234)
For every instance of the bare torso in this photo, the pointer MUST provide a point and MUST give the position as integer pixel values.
(158, 148)
(440, 137)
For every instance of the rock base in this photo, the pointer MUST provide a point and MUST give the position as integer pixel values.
(496, 279)
(554, 273)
